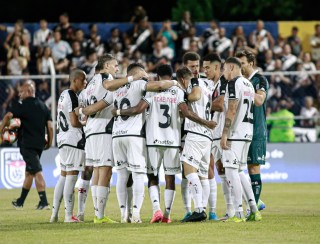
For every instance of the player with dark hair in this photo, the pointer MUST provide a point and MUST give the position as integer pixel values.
(258, 147)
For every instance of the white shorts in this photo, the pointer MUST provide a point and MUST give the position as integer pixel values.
(71, 159)
(236, 156)
(99, 150)
(216, 151)
(196, 152)
(170, 158)
(130, 152)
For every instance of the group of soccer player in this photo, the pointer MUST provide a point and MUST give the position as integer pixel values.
(187, 124)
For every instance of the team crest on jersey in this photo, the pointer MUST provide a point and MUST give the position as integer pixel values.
(173, 92)
(12, 169)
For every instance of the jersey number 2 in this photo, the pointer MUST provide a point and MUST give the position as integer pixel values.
(248, 117)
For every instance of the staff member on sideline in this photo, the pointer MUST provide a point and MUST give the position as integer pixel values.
(35, 118)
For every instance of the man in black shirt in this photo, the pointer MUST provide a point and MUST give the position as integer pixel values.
(35, 119)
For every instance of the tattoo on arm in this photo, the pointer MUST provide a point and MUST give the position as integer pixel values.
(227, 125)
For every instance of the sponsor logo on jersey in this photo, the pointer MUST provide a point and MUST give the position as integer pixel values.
(12, 168)
(165, 142)
(120, 132)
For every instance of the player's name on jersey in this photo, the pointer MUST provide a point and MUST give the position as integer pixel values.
(164, 99)
(248, 93)
(164, 142)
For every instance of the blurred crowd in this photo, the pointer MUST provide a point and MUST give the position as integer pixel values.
(64, 47)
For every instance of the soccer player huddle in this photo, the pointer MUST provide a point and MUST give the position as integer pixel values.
(188, 125)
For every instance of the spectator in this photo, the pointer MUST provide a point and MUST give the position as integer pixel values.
(261, 40)
(142, 37)
(184, 25)
(76, 58)
(79, 37)
(60, 50)
(186, 41)
(294, 41)
(65, 28)
(308, 65)
(315, 44)
(16, 63)
(167, 31)
(158, 57)
(269, 62)
(43, 92)
(116, 51)
(17, 30)
(93, 33)
(210, 35)
(6, 96)
(279, 47)
(222, 45)
(288, 59)
(23, 50)
(239, 40)
(90, 62)
(116, 38)
(281, 80)
(43, 36)
(45, 62)
(281, 123)
(138, 14)
(310, 113)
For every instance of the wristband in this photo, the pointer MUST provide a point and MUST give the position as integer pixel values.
(175, 83)
(118, 112)
(80, 111)
(194, 82)
(130, 78)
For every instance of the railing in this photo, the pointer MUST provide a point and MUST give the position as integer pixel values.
(55, 76)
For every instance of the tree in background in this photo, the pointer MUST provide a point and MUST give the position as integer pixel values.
(201, 10)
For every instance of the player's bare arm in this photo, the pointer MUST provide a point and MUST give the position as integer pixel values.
(218, 104)
(231, 113)
(195, 93)
(138, 109)
(259, 97)
(5, 121)
(49, 128)
(74, 120)
(160, 85)
(186, 112)
(91, 109)
(112, 85)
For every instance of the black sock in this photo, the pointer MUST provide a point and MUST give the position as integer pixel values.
(23, 196)
(43, 197)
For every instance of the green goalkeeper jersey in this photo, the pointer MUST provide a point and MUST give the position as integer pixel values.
(259, 82)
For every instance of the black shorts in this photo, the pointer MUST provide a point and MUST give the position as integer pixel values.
(32, 158)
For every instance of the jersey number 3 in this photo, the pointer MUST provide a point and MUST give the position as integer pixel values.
(165, 114)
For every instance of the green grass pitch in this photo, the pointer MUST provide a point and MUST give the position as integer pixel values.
(292, 216)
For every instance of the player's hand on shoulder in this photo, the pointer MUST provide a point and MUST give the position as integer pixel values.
(114, 112)
(211, 124)
(141, 74)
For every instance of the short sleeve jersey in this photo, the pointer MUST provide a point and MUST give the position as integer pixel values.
(260, 82)
(202, 108)
(163, 125)
(34, 116)
(242, 127)
(101, 122)
(128, 96)
(218, 117)
(67, 135)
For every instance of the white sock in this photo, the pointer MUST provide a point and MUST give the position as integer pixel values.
(121, 189)
(186, 196)
(129, 201)
(205, 192)
(68, 195)
(94, 199)
(138, 193)
(196, 191)
(227, 195)
(57, 195)
(82, 195)
(213, 195)
(248, 193)
(102, 197)
(154, 197)
(168, 201)
(235, 184)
